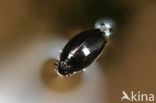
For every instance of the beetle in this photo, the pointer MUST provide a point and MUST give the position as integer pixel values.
(83, 49)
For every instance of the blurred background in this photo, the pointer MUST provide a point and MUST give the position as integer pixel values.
(32, 33)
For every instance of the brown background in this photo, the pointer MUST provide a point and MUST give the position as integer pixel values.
(129, 61)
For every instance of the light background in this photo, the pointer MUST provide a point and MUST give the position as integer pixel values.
(32, 32)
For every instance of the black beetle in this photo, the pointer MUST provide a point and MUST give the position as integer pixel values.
(83, 49)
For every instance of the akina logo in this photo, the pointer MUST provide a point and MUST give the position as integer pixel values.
(137, 96)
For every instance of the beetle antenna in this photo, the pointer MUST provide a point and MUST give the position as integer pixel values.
(56, 64)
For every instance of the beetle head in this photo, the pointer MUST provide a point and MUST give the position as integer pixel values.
(63, 69)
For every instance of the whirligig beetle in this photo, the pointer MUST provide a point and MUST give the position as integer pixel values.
(84, 48)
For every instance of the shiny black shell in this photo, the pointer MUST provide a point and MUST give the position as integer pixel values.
(81, 51)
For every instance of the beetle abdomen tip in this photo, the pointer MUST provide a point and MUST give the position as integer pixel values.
(105, 25)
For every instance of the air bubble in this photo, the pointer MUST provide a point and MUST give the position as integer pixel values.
(106, 25)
